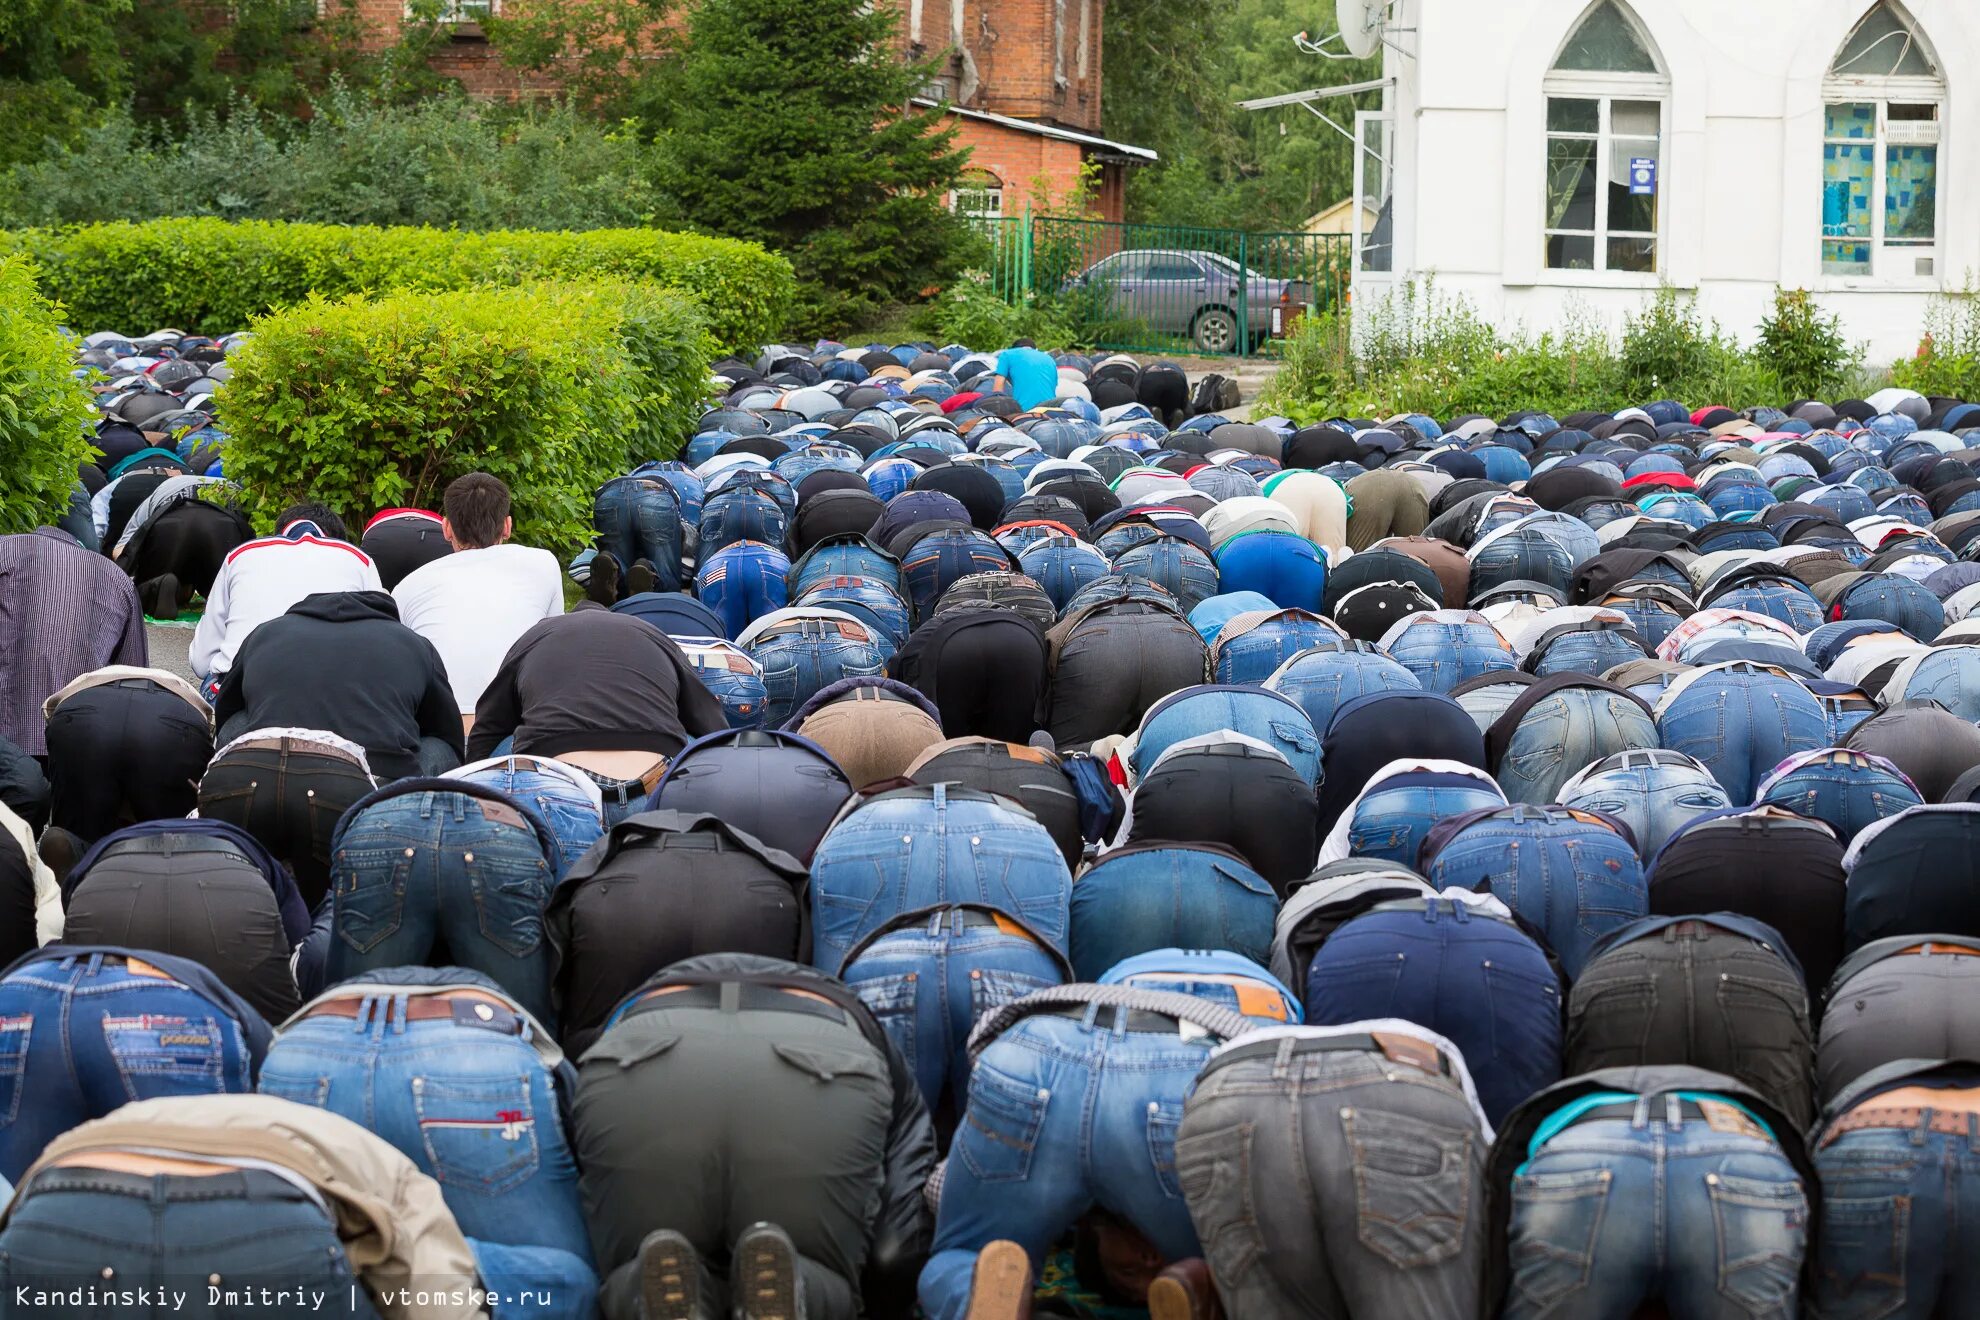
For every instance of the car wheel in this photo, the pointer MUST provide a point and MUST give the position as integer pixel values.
(1215, 330)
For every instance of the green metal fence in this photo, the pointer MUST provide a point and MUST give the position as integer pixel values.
(1168, 288)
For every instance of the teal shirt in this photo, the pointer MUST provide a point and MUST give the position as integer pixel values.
(1552, 1125)
(1034, 377)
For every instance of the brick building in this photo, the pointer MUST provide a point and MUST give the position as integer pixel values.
(1022, 76)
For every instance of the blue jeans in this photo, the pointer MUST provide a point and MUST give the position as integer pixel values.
(736, 680)
(1741, 723)
(1521, 557)
(640, 518)
(1443, 655)
(1574, 880)
(930, 983)
(803, 656)
(474, 1109)
(870, 600)
(86, 1035)
(1063, 1115)
(1188, 574)
(1845, 791)
(742, 515)
(421, 868)
(741, 582)
(1951, 677)
(1324, 680)
(901, 854)
(245, 1229)
(940, 559)
(1477, 981)
(1653, 800)
(1272, 718)
(1254, 656)
(1566, 731)
(1592, 651)
(1169, 897)
(1897, 1239)
(843, 559)
(1062, 565)
(1390, 824)
(568, 810)
(1799, 610)
(1612, 1212)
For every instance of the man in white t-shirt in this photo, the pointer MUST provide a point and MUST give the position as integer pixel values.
(474, 603)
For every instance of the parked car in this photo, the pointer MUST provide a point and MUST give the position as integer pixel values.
(1199, 294)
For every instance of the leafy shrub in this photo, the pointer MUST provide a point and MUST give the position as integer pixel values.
(213, 277)
(368, 403)
(446, 161)
(1804, 346)
(971, 311)
(1948, 357)
(43, 409)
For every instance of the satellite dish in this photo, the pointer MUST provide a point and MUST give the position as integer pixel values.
(1361, 25)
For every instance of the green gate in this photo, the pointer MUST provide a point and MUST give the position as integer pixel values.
(1178, 289)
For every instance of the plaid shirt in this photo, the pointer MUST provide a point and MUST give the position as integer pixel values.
(64, 611)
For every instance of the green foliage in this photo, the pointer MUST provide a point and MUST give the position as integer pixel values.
(370, 403)
(790, 131)
(43, 409)
(212, 276)
(1804, 346)
(1175, 69)
(445, 161)
(971, 311)
(1948, 357)
(1421, 352)
(614, 57)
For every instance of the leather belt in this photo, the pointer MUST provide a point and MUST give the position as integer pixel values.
(622, 791)
(1954, 1122)
(466, 1010)
(1109, 1016)
(1392, 1046)
(1928, 947)
(294, 746)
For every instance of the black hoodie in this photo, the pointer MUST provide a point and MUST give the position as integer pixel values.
(341, 661)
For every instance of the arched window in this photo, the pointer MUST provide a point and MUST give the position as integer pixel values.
(1605, 130)
(978, 192)
(1882, 106)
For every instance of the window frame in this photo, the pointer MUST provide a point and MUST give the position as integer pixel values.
(1883, 91)
(1605, 87)
(451, 11)
(987, 184)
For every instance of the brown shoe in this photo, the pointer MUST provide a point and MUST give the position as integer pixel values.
(1002, 1287)
(1184, 1291)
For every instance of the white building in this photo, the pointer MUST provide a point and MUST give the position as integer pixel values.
(1531, 154)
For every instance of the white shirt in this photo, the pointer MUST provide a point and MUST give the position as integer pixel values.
(473, 605)
(260, 581)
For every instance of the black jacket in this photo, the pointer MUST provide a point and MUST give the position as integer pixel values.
(903, 1227)
(341, 661)
(593, 680)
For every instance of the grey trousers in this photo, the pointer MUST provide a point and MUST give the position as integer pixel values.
(1908, 1006)
(707, 1121)
(1334, 1184)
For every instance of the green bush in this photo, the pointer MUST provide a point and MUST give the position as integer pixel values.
(43, 409)
(445, 160)
(212, 277)
(1804, 346)
(1948, 357)
(370, 403)
(971, 311)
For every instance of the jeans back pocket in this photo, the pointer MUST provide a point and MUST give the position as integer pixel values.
(1413, 1186)
(479, 1133)
(1001, 1125)
(1762, 1232)
(163, 1054)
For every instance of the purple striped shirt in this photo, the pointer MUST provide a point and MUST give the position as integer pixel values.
(64, 611)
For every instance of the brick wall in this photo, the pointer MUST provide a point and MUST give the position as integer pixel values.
(1017, 158)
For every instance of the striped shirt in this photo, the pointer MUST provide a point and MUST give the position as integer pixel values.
(64, 611)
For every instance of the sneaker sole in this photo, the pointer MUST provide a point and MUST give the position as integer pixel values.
(1002, 1287)
(1169, 1300)
(665, 1280)
(769, 1282)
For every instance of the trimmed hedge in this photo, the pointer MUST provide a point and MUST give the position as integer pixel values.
(212, 276)
(368, 403)
(43, 408)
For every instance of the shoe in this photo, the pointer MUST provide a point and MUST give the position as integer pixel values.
(61, 850)
(669, 1277)
(160, 597)
(763, 1282)
(603, 584)
(1001, 1289)
(641, 578)
(1184, 1291)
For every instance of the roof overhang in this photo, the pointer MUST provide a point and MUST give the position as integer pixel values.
(1103, 147)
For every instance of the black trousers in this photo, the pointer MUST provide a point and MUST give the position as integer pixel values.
(190, 541)
(1698, 994)
(652, 905)
(1117, 665)
(1250, 802)
(122, 753)
(206, 903)
(399, 545)
(290, 799)
(1793, 881)
(1164, 391)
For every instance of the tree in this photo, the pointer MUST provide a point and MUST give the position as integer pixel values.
(795, 129)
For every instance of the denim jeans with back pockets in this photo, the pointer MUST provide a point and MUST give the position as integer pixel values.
(412, 872)
(83, 1036)
(572, 815)
(1898, 1213)
(1614, 1211)
(477, 1111)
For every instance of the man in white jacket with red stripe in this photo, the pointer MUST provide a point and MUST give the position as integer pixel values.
(260, 580)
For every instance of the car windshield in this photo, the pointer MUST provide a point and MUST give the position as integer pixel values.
(1220, 261)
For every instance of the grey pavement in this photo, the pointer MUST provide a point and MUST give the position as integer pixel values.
(166, 644)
